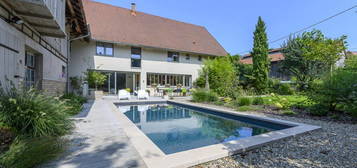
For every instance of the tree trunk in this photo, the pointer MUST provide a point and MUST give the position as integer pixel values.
(207, 82)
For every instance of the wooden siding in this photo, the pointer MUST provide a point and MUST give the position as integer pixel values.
(57, 8)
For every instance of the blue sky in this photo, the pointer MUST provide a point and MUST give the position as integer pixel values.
(232, 22)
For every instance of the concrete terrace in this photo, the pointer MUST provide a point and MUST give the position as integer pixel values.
(98, 142)
(105, 137)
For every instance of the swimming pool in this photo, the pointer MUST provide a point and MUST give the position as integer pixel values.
(175, 127)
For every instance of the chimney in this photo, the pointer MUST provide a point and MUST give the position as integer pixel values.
(133, 9)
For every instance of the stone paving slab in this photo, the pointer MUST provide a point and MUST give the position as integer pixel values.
(98, 142)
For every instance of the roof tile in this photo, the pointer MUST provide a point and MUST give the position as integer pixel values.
(116, 24)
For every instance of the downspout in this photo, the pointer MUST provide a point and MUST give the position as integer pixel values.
(69, 55)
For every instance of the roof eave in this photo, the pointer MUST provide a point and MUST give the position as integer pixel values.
(153, 47)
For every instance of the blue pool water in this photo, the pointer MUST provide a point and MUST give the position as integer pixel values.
(175, 128)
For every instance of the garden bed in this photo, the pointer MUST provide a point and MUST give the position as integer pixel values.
(6, 137)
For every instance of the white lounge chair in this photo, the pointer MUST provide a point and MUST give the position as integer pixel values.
(123, 94)
(142, 94)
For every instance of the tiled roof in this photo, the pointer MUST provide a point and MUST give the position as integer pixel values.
(273, 58)
(116, 24)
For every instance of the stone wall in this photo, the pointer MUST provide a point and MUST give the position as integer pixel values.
(53, 88)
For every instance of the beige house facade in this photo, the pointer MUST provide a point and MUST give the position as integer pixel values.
(139, 50)
(153, 67)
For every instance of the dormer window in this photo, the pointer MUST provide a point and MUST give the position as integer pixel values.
(104, 49)
(173, 56)
(187, 56)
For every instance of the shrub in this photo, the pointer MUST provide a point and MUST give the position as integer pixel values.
(227, 100)
(73, 102)
(95, 79)
(72, 96)
(244, 101)
(184, 91)
(280, 88)
(29, 112)
(31, 152)
(221, 75)
(285, 89)
(128, 90)
(258, 101)
(280, 102)
(318, 110)
(202, 95)
(338, 91)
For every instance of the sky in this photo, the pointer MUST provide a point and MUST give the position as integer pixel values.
(232, 22)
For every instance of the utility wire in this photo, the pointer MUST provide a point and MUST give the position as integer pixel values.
(313, 25)
(308, 27)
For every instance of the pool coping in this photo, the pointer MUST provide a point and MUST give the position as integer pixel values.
(155, 158)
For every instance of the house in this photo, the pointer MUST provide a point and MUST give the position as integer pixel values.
(139, 50)
(34, 42)
(275, 57)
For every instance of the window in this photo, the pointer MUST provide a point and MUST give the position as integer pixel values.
(200, 58)
(29, 70)
(187, 56)
(163, 80)
(63, 71)
(173, 56)
(135, 57)
(105, 49)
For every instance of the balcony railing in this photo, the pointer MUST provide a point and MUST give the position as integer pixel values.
(45, 16)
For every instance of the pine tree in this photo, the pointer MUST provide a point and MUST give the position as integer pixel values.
(261, 61)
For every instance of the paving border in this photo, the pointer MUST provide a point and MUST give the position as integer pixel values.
(155, 158)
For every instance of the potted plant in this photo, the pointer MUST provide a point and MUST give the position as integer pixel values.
(165, 92)
(76, 84)
(96, 79)
(128, 90)
(184, 91)
(170, 91)
(153, 85)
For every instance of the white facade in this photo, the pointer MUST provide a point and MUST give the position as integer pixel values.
(84, 57)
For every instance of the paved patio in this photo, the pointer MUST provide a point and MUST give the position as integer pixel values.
(98, 142)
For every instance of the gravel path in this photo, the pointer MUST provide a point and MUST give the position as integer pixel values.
(333, 146)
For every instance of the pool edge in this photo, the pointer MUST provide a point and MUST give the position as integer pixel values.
(155, 158)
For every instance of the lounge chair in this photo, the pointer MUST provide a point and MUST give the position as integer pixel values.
(142, 94)
(123, 94)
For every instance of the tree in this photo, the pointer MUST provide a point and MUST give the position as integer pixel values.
(95, 79)
(221, 76)
(326, 50)
(260, 57)
(243, 72)
(308, 56)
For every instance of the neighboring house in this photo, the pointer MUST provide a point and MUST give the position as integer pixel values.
(275, 57)
(33, 42)
(137, 50)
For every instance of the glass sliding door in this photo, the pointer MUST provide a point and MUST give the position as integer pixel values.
(109, 84)
(121, 81)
